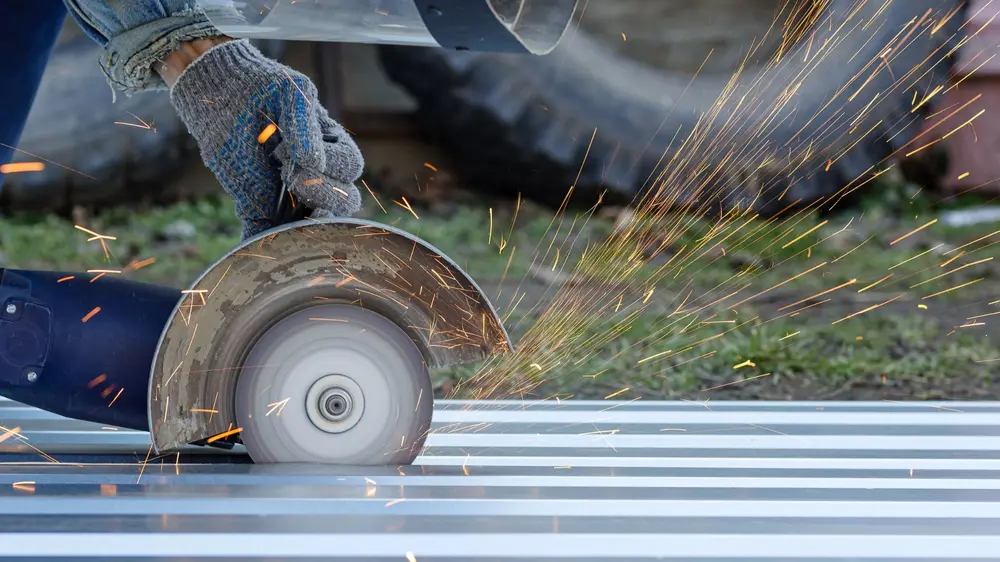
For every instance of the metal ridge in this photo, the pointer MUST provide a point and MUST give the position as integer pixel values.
(580, 480)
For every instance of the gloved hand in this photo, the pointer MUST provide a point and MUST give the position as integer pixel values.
(229, 97)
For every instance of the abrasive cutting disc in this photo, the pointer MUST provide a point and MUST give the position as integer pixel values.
(334, 384)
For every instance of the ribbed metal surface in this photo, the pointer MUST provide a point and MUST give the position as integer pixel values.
(529, 481)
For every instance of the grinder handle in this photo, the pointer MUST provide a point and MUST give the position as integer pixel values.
(287, 209)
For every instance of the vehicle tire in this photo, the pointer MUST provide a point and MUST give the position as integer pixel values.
(89, 159)
(527, 124)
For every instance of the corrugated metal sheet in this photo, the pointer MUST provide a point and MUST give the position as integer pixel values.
(531, 481)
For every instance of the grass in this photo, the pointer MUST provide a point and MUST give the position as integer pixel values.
(880, 356)
(899, 351)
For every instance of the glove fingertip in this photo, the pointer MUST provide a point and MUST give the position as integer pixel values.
(318, 191)
(344, 161)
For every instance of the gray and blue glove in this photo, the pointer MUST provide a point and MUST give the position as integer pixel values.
(260, 126)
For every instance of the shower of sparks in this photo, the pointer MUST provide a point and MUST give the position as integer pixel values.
(728, 152)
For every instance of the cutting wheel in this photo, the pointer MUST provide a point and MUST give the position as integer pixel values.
(335, 384)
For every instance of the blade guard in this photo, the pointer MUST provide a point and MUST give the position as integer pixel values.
(504, 26)
(296, 266)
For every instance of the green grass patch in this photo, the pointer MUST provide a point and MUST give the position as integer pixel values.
(903, 352)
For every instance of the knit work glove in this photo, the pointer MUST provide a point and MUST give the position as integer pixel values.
(260, 125)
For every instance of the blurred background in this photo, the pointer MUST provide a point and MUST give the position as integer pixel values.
(843, 171)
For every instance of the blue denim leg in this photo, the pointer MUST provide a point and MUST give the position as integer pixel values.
(138, 33)
(28, 30)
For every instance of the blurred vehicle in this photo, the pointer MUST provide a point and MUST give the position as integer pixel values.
(642, 73)
(633, 79)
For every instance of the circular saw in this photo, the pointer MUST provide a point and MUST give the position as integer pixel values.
(311, 342)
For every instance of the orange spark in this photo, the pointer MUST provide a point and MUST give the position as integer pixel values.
(17, 167)
(912, 232)
(140, 264)
(953, 288)
(8, 433)
(224, 434)
(863, 289)
(716, 387)
(90, 314)
(266, 133)
(379, 203)
(870, 308)
(144, 125)
(406, 205)
(618, 393)
(277, 406)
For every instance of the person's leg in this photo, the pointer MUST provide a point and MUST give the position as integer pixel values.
(28, 31)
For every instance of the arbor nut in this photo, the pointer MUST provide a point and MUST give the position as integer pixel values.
(32, 376)
(11, 308)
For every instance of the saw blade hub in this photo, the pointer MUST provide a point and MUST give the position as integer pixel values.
(335, 403)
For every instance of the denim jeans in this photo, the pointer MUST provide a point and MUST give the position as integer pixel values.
(28, 31)
(138, 33)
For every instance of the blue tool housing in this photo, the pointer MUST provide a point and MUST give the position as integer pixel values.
(81, 347)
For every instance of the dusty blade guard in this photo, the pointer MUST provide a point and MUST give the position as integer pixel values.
(296, 266)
